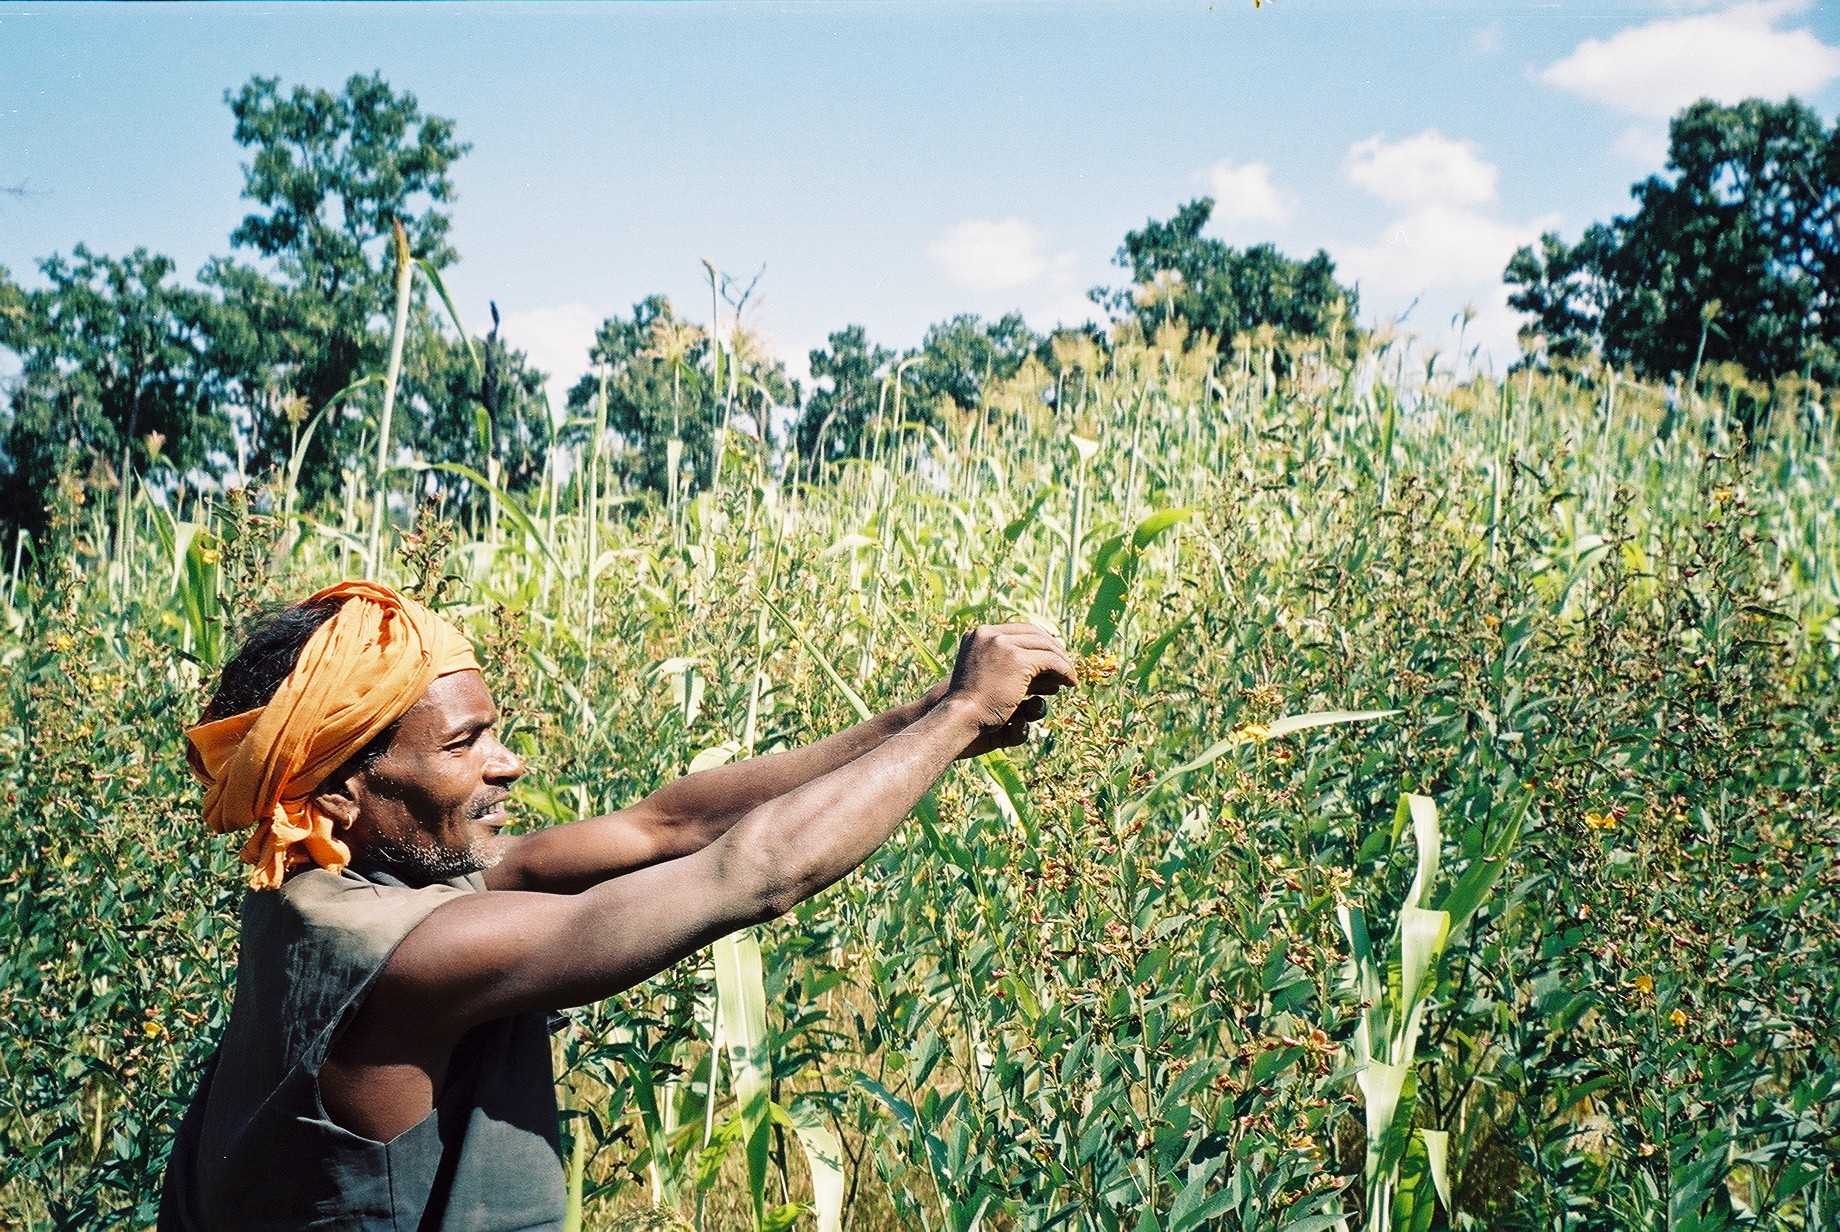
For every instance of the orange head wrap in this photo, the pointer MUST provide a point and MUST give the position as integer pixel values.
(356, 675)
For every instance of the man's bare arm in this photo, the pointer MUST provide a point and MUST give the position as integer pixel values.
(687, 815)
(485, 956)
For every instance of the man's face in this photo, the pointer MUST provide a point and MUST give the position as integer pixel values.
(431, 807)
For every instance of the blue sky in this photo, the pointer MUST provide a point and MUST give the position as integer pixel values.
(891, 164)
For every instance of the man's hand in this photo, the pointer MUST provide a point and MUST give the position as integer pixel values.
(1002, 675)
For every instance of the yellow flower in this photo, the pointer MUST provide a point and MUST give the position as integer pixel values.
(208, 555)
(152, 1029)
(1721, 495)
(1251, 733)
(100, 682)
(1282, 756)
(63, 642)
(1679, 1018)
(1644, 985)
(1599, 821)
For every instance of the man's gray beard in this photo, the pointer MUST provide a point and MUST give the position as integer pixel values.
(435, 862)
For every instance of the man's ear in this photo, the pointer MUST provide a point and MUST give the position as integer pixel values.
(337, 798)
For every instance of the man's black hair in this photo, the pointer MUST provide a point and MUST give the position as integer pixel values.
(273, 638)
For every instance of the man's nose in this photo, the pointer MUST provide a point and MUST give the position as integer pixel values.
(503, 763)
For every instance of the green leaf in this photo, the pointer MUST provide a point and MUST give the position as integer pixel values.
(1421, 942)
(1473, 887)
(1314, 1223)
(1006, 787)
(1153, 526)
(783, 1218)
(1107, 607)
(1429, 838)
(824, 664)
(1147, 657)
(823, 1159)
(1213, 752)
(742, 999)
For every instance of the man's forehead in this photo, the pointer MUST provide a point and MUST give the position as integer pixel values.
(453, 700)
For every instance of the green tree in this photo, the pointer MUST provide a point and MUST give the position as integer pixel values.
(1732, 256)
(835, 416)
(329, 172)
(1178, 272)
(112, 374)
(658, 390)
(957, 358)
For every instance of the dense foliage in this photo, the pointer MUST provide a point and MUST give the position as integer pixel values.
(1099, 983)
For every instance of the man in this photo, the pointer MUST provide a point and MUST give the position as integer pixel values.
(386, 1064)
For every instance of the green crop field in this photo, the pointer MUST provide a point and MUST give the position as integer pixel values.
(1444, 835)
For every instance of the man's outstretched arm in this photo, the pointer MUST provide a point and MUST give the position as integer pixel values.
(484, 956)
(687, 815)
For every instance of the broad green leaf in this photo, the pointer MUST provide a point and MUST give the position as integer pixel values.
(1381, 1086)
(1429, 838)
(1007, 790)
(1158, 522)
(1473, 887)
(1213, 752)
(1147, 657)
(824, 664)
(741, 992)
(823, 1159)
(507, 503)
(1437, 1155)
(715, 755)
(1421, 941)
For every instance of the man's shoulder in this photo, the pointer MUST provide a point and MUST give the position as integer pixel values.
(344, 903)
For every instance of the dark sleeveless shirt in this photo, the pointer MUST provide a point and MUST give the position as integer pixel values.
(257, 1152)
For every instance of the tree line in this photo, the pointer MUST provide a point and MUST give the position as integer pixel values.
(272, 355)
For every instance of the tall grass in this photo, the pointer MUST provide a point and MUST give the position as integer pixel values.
(1098, 983)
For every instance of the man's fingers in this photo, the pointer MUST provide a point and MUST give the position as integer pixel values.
(1032, 710)
(1052, 671)
(1022, 627)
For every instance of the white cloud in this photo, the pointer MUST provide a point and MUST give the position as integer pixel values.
(1487, 38)
(557, 340)
(1439, 246)
(1426, 169)
(994, 255)
(1246, 194)
(1735, 53)
(1643, 144)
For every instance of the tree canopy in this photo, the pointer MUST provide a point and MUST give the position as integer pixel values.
(112, 368)
(330, 174)
(1732, 256)
(1176, 272)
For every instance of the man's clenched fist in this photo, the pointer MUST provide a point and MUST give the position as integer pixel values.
(1002, 673)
